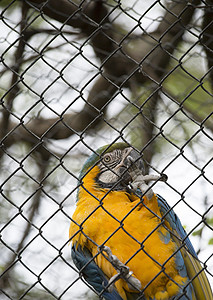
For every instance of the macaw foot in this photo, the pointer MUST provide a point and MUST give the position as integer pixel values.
(122, 272)
(140, 181)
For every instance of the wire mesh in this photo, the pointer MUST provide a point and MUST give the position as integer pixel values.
(76, 75)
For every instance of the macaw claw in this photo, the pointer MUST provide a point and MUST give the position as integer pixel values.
(122, 271)
(140, 181)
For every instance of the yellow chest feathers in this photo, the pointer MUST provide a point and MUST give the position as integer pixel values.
(131, 229)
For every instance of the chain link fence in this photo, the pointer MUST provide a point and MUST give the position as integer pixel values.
(76, 75)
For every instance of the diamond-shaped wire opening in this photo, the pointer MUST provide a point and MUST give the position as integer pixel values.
(81, 74)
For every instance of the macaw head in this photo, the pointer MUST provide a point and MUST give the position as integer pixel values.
(114, 164)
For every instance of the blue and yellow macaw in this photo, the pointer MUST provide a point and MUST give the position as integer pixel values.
(128, 244)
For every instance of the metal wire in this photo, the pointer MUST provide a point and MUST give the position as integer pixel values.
(76, 75)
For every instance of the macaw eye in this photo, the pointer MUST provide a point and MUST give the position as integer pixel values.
(107, 158)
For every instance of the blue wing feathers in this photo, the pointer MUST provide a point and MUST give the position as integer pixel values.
(175, 223)
(178, 229)
(92, 273)
(83, 259)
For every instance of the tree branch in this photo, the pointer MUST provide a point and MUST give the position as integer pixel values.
(91, 17)
(150, 53)
(7, 278)
(207, 39)
(14, 88)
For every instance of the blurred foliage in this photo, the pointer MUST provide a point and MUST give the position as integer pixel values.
(192, 92)
(9, 6)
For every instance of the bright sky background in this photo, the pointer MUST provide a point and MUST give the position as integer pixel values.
(181, 174)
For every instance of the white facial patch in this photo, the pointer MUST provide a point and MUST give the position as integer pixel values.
(113, 167)
(108, 177)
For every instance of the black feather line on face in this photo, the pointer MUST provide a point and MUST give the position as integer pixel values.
(120, 182)
(114, 186)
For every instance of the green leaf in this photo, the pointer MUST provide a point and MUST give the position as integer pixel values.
(210, 241)
(209, 221)
(197, 232)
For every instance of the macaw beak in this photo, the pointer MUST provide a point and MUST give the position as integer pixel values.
(135, 161)
(131, 161)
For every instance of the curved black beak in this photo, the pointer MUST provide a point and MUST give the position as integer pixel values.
(131, 163)
(135, 161)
